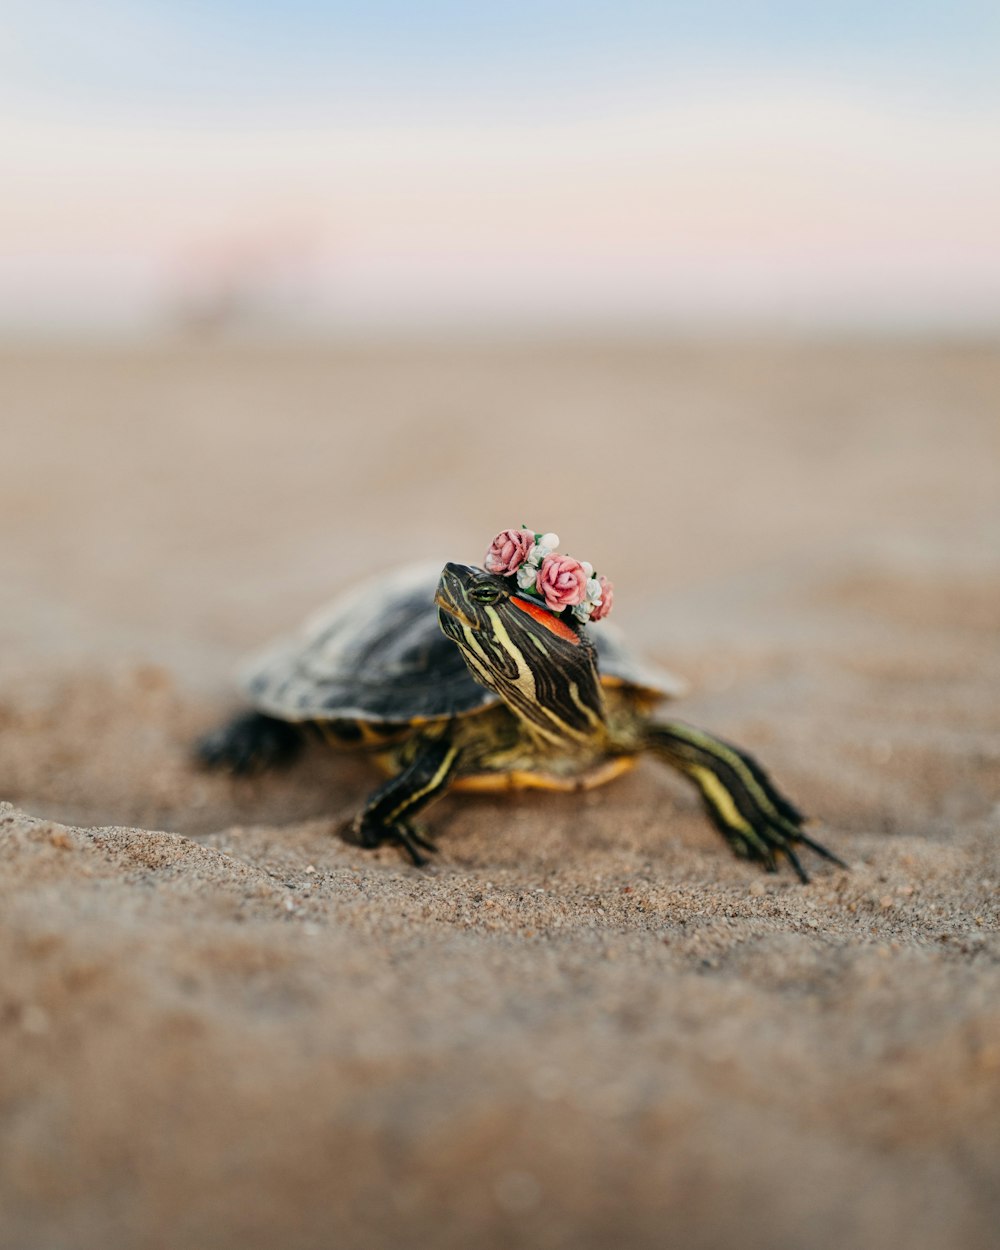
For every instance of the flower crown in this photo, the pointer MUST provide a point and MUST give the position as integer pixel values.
(560, 582)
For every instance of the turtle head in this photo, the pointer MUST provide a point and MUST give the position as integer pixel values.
(541, 664)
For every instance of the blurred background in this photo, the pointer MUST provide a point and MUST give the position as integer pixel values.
(289, 293)
(324, 168)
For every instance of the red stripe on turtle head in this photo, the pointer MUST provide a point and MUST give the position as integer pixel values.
(554, 624)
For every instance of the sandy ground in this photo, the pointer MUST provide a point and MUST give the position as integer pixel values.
(587, 1025)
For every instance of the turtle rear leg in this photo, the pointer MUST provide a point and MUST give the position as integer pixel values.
(388, 814)
(249, 743)
(745, 805)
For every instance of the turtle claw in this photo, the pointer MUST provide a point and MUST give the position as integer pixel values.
(422, 839)
(413, 843)
(371, 835)
(795, 862)
(765, 838)
(762, 831)
(822, 851)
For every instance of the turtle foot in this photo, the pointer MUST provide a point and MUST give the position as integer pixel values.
(249, 743)
(370, 834)
(745, 805)
(764, 841)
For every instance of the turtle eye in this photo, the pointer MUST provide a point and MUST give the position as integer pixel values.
(485, 593)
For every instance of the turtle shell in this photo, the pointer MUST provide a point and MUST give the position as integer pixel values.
(377, 654)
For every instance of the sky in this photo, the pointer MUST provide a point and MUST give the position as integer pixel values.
(388, 165)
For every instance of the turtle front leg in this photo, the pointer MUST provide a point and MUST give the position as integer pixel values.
(751, 813)
(387, 816)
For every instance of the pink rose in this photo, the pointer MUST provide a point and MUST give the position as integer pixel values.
(509, 551)
(562, 582)
(607, 600)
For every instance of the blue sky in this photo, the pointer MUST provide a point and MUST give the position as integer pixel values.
(231, 59)
(394, 163)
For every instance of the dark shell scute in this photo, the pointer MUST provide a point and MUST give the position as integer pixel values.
(376, 655)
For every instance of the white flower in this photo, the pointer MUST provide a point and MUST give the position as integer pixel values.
(549, 541)
(582, 611)
(594, 590)
(587, 567)
(526, 576)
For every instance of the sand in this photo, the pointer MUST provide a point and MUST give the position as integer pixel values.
(587, 1025)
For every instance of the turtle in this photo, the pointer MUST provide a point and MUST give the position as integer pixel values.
(456, 679)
